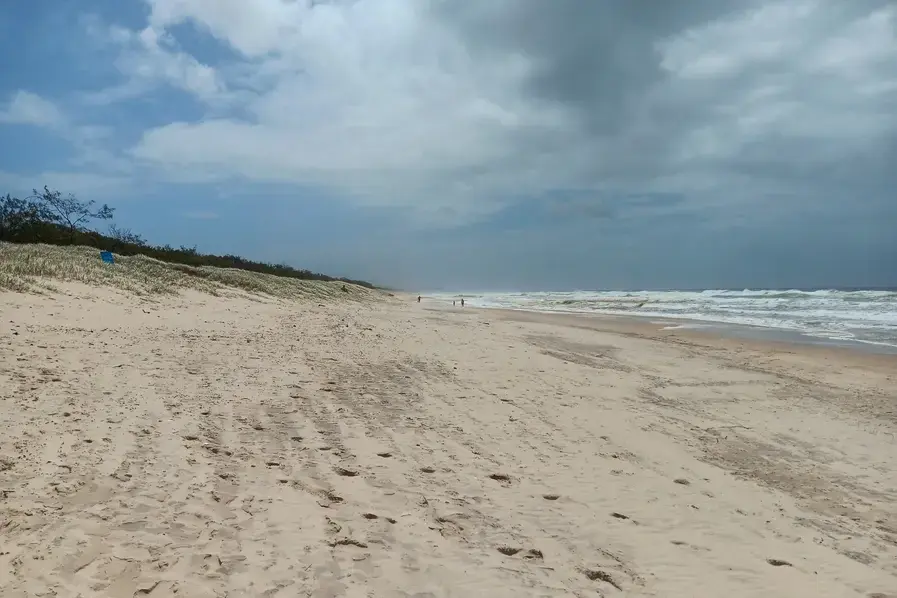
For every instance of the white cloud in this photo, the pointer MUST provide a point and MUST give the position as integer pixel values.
(381, 101)
(153, 55)
(89, 141)
(783, 72)
(252, 28)
(385, 102)
(95, 170)
(864, 44)
(370, 97)
(26, 108)
(150, 57)
(759, 34)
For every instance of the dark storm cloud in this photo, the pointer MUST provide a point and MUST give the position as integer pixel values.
(458, 109)
(604, 63)
(595, 57)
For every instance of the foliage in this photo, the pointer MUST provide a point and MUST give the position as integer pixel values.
(69, 211)
(48, 217)
(126, 236)
(37, 267)
(22, 218)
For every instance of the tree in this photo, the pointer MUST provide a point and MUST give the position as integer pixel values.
(18, 217)
(69, 212)
(126, 236)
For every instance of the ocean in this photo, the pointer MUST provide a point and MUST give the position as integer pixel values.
(847, 316)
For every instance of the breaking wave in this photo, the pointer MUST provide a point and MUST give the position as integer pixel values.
(868, 316)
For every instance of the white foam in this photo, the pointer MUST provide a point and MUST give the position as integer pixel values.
(865, 316)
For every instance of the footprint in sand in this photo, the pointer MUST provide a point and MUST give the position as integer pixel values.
(533, 554)
(373, 516)
(503, 479)
(331, 498)
(347, 542)
(599, 575)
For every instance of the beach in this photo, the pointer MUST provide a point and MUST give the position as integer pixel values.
(209, 446)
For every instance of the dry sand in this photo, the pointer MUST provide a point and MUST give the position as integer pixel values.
(208, 446)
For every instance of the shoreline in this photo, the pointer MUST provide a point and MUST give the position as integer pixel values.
(859, 319)
(688, 326)
(713, 336)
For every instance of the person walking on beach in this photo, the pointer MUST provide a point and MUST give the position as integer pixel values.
(462, 301)
(418, 298)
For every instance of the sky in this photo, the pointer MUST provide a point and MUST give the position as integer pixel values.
(474, 145)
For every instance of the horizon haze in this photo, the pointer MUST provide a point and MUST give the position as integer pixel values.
(506, 145)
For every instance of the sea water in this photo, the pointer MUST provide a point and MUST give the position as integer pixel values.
(854, 315)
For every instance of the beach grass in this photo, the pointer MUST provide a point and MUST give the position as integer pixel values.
(35, 267)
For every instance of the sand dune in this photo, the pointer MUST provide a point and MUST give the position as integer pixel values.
(195, 445)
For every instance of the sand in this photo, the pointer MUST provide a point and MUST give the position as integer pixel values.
(201, 446)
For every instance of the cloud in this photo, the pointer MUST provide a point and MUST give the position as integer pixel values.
(456, 109)
(454, 112)
(373, 99)
(26, 108)
(784, 75)
(89, 141)
(253, 29)
(147, 59)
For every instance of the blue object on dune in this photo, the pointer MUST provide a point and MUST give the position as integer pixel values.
(107, 257)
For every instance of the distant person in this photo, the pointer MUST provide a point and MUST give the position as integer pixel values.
(462, 301)
(418, 298)
(453, 303)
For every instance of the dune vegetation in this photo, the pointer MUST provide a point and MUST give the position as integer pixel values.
(48, 237)
(34, 267)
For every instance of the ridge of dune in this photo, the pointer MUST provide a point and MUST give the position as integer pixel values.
(39, 267)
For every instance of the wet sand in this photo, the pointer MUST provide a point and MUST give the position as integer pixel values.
(202, 446)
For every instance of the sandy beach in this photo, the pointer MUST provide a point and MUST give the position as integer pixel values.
(201, 446)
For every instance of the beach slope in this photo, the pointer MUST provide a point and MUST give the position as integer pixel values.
(200, 444)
